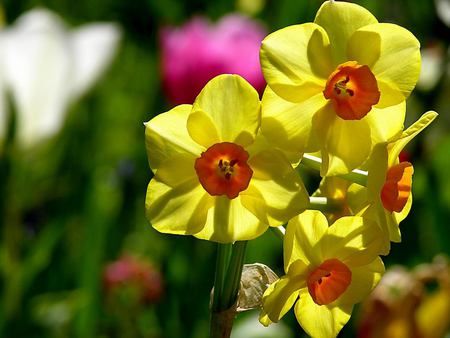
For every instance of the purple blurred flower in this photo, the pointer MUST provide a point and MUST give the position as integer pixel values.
(198, 51)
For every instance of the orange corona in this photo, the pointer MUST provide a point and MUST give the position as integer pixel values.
(397, 187)
(223, 170)
(353, 90)
(329, 281)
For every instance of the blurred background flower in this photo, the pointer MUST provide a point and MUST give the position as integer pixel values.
(45, 67)
(130, 272)
(409, 304)
(193, 54)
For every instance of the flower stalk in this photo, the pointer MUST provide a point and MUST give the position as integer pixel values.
(356, 176)
(226, 288)
(324, 204)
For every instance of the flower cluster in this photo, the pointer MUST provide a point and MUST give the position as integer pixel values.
(225, 167)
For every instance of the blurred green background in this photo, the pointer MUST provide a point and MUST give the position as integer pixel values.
(72, 205)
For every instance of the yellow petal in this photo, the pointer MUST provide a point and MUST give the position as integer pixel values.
(400, 216)
(357, 198)
(376, 213)
(180, 209)
(278, 298)
(409, 134)
(398, 62)
(288, 125)
(176, 170)
(262, 143)
(202, 129)
(346, 144)
(386, 123)
(377, 168)
(364, 279)
(392, 224)
(233, 106)
(229, 221)
(321, 321)
(353, 240)
(296, 61)
(276, 192)
(166, 135)
(303, 234)
(333, 187)
(340, 20)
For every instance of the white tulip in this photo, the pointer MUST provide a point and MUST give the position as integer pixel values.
(45, 67)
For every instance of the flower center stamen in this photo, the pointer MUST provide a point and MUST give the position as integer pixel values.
(226, 168)
(340, 88)
(223, 170)
(352, 90)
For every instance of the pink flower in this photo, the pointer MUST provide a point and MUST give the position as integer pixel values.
(198, 51)
(130, 271)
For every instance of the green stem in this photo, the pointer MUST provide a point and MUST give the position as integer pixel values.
(224, 302)
(324, 204)
(356, 176)
(233, 278)
(312, 162)
(223, 255)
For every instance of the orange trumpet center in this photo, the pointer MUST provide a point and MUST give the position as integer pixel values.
(328, 281)
(353, 90)
(397, 187)
(223, 170)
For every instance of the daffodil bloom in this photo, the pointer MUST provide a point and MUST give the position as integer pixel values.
(328, 270)
(46, 67)
(389, 182)
(215, 177)
(337, 85)
(387, 199)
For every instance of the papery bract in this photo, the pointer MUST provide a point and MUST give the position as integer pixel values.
(328, 270)
(215, 176)
(193, 54)
(337, 85)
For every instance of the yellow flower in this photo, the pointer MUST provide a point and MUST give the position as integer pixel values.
(328, 269)
(389, 182)
(337, 85)
(215, 177)
(387, 199)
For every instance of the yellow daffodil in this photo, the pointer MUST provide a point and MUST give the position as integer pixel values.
(328, 270)
(337, 85)
(387, 198)
(389, 182)
(215, 178)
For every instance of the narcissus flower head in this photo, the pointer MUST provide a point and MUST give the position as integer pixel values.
(387, 198)
(389, 182)
(337, 85)
(328, 270)
(215, 176)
